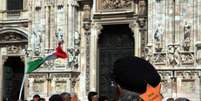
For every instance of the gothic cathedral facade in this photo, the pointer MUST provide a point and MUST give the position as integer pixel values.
(95, 34)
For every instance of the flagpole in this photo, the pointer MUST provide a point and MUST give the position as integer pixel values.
(22, 86)
(23, 80)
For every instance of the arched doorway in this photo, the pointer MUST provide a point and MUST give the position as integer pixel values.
(114, 42)
(13, 43)
(12, 77)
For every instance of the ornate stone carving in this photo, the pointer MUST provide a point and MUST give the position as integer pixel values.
(38, 86)
(73, 61)
(159, 58)
(174, 54)
(87, 32)
(141, 21)
(165, 74)
(148, 53)
(158, 36)
(187, 58)
(60, 85)
(14, 49)
(38, 75)
(87, 13)
(11, 37)
(116, 4)
(98, 28)
(142, 8)
(77, 39)
(133, 26)
(59, 35)
(74, 80)
(187, 74)
(198, 52)
(59, 75)
(187, 40)
(87, 27)
(36, 41)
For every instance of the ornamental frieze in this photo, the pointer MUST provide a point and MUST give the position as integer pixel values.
(115, 4)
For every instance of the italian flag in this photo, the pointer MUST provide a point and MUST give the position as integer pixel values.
(34, 64)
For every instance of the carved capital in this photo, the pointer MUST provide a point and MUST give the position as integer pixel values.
(132, 26)
(87, 26)
(141, 22)
(187, 74)
(73, 3)
(4, 58)
(166, 74)
(98, 28)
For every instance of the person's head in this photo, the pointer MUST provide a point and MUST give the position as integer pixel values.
(103, 98)
(182, 99)
(36, 97)
(93, 96)
(74, 97)
(55, 97)
(65, 96)
(133, 76)
(170, 99)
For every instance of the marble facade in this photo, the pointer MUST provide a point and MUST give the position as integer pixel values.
(80, 22)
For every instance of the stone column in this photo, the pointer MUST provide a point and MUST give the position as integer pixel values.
(142, 36)
(46, 40)
(96, 30)
(30, 94)
(87, 31)
(3, 58)
(72, 4)
(136, 36)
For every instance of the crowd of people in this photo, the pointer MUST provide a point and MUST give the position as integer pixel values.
(65, 96)
(92, 96)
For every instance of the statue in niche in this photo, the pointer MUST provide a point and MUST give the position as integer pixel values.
(158, 37)
(36, 41)
(59, 35)
(187, 32)
(142, 8)
(87, 12)
(77, 39)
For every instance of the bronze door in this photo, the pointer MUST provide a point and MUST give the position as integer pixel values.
(114, 42)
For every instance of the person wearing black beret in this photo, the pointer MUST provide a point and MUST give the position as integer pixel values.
(136, 79)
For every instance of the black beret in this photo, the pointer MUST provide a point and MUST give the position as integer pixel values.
(133, 73)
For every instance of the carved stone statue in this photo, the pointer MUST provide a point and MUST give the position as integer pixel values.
(59, 36)
(158, 36)
(77, 39)
(142, 8)
(187, 32)
(87, 12)
(36, 41)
